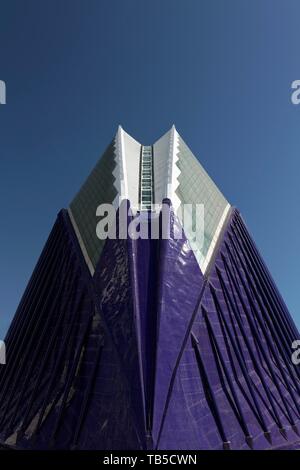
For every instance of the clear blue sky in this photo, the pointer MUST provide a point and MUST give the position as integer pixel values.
(220, 70)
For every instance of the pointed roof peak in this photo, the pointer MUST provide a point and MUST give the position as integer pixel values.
(122, 134)
(171, 131)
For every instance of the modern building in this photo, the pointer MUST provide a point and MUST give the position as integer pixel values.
(158, 343)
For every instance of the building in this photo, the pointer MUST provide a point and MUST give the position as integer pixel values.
(150, 343)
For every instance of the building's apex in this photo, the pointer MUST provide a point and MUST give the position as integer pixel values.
(146, 175)
(170, 132)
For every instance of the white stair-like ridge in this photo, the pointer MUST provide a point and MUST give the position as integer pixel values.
(174, 170)
(120, 173)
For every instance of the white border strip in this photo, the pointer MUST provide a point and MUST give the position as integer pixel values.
(214, 240)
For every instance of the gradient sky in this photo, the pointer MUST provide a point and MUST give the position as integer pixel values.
(220, 70)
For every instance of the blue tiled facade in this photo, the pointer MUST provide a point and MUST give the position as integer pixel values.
(149, 353)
